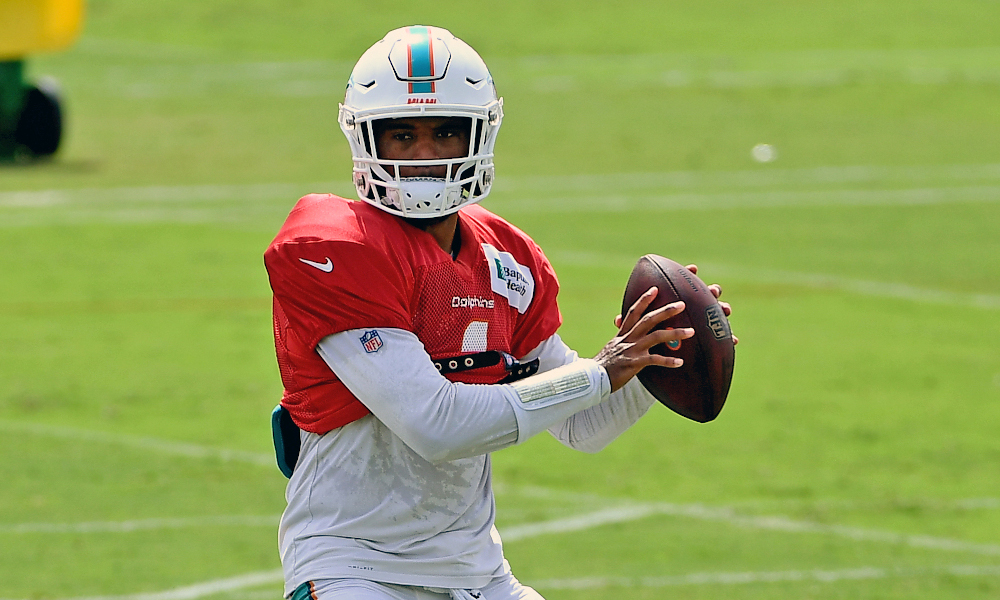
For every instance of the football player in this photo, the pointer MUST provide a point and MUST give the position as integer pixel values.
(416, 333)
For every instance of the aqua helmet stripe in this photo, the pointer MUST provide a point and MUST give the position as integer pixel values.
(420, 55)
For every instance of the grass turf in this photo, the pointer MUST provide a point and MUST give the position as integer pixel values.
(135, 346)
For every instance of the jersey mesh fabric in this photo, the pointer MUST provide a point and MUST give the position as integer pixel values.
(448, 329)
(387, 273)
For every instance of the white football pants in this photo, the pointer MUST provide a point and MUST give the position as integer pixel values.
(505, 587)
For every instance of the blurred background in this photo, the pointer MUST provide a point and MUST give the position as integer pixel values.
(834, 165)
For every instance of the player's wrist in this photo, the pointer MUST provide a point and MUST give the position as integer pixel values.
(543, 400)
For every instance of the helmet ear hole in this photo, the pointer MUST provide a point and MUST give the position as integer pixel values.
(485, 181)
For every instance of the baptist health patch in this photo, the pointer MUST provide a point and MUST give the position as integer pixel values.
(371, 341)
(509, 278)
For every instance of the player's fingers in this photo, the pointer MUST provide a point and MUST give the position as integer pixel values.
(664, 336)
(716, 289)
(736, 340)
(618, 321)
(634, 313)
(726, 309)
(670, 362)
(692, 268)
(650, 320)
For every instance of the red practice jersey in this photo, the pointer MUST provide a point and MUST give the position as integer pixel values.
(339, 265)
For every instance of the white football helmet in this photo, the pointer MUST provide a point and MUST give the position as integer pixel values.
(421, 71)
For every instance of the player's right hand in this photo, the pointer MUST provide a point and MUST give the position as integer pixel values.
(628, 352)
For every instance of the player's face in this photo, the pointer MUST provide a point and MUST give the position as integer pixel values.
(422, 138)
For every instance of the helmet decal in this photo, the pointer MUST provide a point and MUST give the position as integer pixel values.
(420, 56)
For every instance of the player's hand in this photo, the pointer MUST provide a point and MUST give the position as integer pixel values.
(628, 352)
(716, 290)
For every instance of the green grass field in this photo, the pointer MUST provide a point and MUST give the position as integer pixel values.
(858, 455)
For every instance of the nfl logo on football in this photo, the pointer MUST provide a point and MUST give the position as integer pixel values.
(371, 341)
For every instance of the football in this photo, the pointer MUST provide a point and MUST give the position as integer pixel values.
(698, 388)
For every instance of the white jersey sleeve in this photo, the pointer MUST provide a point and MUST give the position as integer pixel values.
(443, 421)
(592, 429)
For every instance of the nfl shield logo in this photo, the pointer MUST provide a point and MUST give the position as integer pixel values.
(371, 341)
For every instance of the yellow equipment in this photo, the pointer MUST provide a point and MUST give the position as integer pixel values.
(31, 26)
(30, 115)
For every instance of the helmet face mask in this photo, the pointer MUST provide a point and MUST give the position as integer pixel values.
(419, 72)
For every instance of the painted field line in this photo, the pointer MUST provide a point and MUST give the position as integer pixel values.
(761, 177)
(750, 577)
(784, 60)
(176, 205)
(178, 71)
(630, 513)
(589, 184)
(207, 588)
(607, 516)
(861, 287)
(929, 504)
(617, 202)
(625, 65)
(26, 208)
(289, 80)
(633, 513)
(251, 580)
(144, 524)
(163, 194)
(513, 533)
(257, 595)
(159, 446)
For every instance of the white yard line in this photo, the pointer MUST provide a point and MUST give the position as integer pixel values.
(749, 577)
(872, 58)
(580, 522)
(212, 204)
(617, 202)
(167, 194)
(252, 580)
(607, 193)
(144, 524)
(861, 287)
(221, 203)
(754, 178)
(635, 512)
(607, 516)
(159, 446)
(183, 71)
(584, 185)
(207, 588)
(929, 504)
(629, 513)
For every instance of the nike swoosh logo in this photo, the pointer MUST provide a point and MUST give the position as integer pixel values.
(326, 267)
